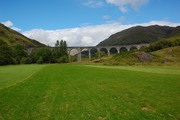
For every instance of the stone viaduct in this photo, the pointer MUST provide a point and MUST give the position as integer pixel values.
(80, 49)
(99, 48)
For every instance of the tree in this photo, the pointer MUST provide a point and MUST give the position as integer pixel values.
(61, 48)
(40, 60)
(59, 54)
(20, 53)
(26, 60)
(42, 54)
(65, 48)
(57, 44)
(6, 55)
(63, 59)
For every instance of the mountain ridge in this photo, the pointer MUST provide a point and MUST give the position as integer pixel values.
(141, 35)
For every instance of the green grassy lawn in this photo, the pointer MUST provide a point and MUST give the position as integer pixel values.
(11, 75)
(88, 92)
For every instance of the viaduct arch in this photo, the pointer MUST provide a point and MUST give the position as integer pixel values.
(98, 48)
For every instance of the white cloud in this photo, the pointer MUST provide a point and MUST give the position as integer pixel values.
(85, 36)
(16, 29)
(7, 23)
(123, 4)
(10, 24)
(94, 3)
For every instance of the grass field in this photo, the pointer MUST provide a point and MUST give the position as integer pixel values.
(11, 75)
(89, 92)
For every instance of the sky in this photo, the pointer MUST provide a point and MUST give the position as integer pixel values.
(84, 22)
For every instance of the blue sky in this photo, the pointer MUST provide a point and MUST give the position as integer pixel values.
(80, 22)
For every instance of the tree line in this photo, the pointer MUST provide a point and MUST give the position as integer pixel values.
(19, 55)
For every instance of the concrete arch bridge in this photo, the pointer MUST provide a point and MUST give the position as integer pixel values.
(117, 48)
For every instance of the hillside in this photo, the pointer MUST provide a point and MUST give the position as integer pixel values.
(171, 54)
(12, 38)
(167, 56)
(139, 34)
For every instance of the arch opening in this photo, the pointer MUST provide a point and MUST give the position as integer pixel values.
(133, 48)
(73, 53)
(123, 49)
(84, 53)
(104, 51)
(113, 51)
(94, 52)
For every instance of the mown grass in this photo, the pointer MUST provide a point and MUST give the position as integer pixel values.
(78, 92)
(10, 75)
(174, 70)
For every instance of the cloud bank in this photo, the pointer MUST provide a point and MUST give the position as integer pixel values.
(85, 36)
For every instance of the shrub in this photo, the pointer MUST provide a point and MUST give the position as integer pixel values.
(26, 61)
(164, 43)
(40, 60)
(63, 59)
(6, 55)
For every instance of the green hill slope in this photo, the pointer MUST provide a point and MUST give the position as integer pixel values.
(168, 56)
(171, 54)
(12, 38)
(139, 34)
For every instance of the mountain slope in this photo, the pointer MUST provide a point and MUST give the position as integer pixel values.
(12, 38)
(139, 34)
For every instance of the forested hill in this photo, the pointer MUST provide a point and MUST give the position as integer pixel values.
(139, 34)
(13, 38)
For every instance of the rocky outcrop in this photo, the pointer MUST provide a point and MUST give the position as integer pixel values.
(143, 56)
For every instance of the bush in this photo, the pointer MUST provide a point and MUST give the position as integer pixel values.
(164, 43)
(40, 60)
(63, 59)
(6, 55)
(26, 61)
